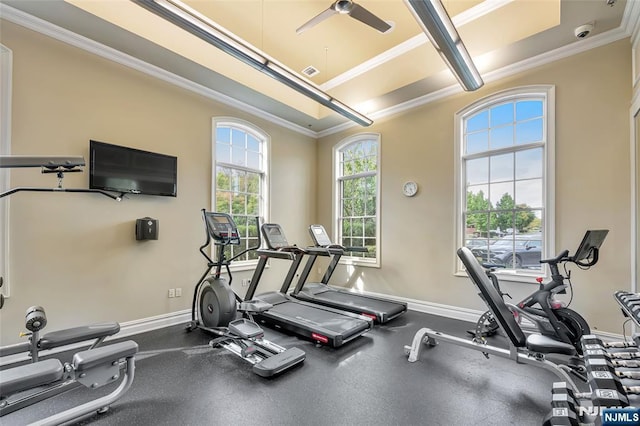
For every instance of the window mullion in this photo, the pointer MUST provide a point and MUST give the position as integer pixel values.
(358, 175)
(505, 150)
(238, 167)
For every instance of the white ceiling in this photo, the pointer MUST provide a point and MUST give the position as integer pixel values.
(370, 71)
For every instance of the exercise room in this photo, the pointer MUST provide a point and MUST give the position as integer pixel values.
(317, 212)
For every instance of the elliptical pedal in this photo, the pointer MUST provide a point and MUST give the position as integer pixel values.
(278, 363)
(245, 329)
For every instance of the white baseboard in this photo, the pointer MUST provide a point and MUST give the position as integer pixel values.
(470, 315)
(447, 311)
(143, 325)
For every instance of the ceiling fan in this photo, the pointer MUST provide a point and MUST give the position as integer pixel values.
(347, 7)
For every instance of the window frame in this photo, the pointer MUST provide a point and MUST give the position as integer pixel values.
(264, 138)
(337, 175)
(6, 70)
(546, 93)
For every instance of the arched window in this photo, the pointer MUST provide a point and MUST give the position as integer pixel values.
(240, 179)
(505, 146)
(357, 197)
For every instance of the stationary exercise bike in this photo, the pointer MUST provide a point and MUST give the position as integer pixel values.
(215, 305)
(549, 316)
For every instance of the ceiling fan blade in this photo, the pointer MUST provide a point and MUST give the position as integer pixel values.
(363, 15)
(317, 19)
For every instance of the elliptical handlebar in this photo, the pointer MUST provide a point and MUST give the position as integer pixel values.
(256, 246)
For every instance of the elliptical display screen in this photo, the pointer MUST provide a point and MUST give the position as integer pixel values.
(222, 228)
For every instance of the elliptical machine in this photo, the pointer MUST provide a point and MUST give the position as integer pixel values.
(215, 305)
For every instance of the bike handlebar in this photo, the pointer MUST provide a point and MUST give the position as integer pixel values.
(562, 257)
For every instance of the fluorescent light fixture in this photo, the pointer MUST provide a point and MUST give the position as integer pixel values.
(436, 23)
(199, 25)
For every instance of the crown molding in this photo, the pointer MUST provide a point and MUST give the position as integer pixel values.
(630, 26)
(46, 28)
(579, 46)
(631, 20)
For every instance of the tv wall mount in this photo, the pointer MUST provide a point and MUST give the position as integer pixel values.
(50, 164)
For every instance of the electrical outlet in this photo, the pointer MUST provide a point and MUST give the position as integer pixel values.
(172, 292)
(179, 292)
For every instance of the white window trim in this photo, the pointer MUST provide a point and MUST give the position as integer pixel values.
(548, 93)
(260, 134)
(6, 69)
(350, 260)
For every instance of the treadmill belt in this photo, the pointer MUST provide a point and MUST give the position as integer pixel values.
(317, 317)
(359, 302)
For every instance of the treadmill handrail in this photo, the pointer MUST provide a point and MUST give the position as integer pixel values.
(292, 249)
(357, 249)
(318, 251)
(276, 254)
(333, 248)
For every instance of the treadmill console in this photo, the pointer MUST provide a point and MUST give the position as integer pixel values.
(221, 228)
(274, 236)
(319, 236)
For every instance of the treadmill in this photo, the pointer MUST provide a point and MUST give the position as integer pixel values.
(379, 309)
(321, 324)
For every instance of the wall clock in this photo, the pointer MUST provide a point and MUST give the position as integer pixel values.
(410, 188)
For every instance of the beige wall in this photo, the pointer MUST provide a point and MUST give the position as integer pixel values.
(75, 254)
(593, 94)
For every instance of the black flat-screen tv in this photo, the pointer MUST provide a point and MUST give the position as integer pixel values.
(133, 171)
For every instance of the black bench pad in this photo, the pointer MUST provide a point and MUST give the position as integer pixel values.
(29, 376)
(91, 358)
(78, 334)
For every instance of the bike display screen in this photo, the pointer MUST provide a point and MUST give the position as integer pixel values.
(592, 239)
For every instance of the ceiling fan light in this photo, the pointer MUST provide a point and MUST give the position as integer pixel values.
(437, 25)
(202, 27)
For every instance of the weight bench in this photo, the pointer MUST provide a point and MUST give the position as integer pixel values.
(92, 368)
(522, 349)
(55, 339)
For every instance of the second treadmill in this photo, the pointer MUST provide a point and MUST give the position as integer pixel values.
(380, 309)
(321, 324)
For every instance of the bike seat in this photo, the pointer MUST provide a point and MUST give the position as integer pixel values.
(547, 345)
